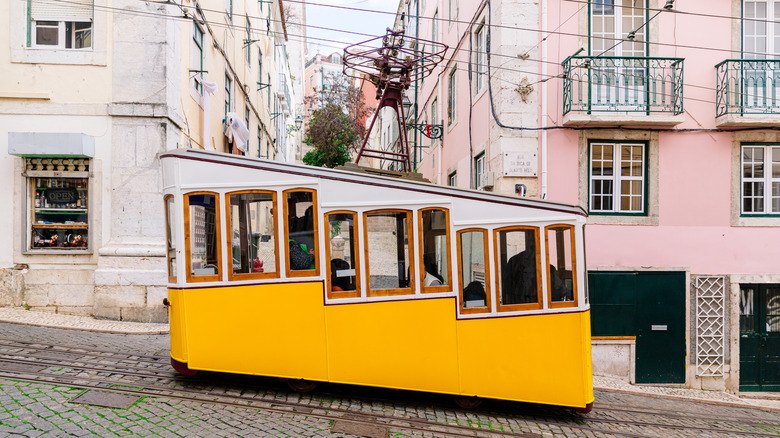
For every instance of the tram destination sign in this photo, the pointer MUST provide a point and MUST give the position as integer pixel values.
(61, 195)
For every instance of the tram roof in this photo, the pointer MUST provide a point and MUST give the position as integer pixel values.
(367, 178)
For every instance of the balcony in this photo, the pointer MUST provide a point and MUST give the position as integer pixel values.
(622, 91)
(747, 93)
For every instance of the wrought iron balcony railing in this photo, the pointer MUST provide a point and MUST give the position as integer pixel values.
(608, 84)
(748, 86)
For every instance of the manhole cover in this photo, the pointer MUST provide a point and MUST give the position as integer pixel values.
(367, 430)
(106, 399)
(21, 367)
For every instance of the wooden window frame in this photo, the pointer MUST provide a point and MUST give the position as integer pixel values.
(168, 229)
(343, 294)
(561, 304)
(445, 287)
(302, 272)
(389, 292)
(229, 233)
(187, 246)
(496, 244)
(486, 250)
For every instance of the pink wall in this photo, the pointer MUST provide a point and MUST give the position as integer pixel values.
(694, 228)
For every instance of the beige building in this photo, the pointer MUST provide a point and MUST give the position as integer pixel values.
(91, 92)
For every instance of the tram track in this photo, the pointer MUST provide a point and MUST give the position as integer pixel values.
(164, 379)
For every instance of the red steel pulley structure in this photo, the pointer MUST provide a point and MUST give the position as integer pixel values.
(392, 68)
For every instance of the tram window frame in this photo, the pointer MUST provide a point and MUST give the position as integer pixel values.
(486, 254)
(573, 253)
(410, 289)
(187, 239)
(236, 276)
(291, 273)
(355, 252)
(170, 237)
(447, 286)
(497, 257)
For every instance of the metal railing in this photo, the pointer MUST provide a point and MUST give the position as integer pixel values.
(747, 86)
(284, 92)
(608, 84)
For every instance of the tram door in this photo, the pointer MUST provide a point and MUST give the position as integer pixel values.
(759, 337)
(649, 306)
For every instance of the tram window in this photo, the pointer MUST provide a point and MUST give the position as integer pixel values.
(252, 235)
(472, 265)
(517, 258)
(388, 253)
(300, 211)
(170, 233)
(343, 278)
(202, 236)
(434, 237)
(561, 280)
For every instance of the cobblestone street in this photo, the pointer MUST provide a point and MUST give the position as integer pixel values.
(45, 372)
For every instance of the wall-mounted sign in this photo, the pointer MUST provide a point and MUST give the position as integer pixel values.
(61, 195)
(520, 164)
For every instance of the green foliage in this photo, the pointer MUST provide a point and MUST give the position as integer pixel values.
(330, 132)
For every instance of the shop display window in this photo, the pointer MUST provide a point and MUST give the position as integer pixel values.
(60, 213)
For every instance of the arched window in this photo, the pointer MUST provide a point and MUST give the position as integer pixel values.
(201, 236)
(252, 238)
(300, 232)
(518, 261)
(474, 272)
(562, 266)
(435, 267)
(388, 253)
(342, 254)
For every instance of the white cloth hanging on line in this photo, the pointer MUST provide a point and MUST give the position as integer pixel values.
(237, 131)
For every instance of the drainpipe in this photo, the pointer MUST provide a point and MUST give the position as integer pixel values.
(543, 191)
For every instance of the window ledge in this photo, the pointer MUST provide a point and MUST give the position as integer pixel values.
(575, 119)
(617, 219)
(756, 221)
(58, 56)
(748, 121)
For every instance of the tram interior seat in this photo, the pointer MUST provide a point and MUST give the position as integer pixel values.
(338, 279)
(518, 279)
(474, 295)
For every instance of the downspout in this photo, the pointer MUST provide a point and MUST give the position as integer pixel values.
(543, 191)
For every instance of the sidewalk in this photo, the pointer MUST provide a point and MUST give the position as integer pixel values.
(85, 323)
(764, 401)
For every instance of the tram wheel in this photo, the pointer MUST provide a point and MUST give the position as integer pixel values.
(301, 385)
(585, 410)
(182, 368)
(467, 402)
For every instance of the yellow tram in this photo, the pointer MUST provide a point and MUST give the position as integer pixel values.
(323, 275)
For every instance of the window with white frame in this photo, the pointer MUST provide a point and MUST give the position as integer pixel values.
(452, 179)
(248, 42)
(761, 29)
(229, 9)
(196, 64)
(451, 95)
(480, 63)
(60, 25)
(479, 168)
(453, 11)
(617, 177)
(760, 179)
(228, 94)
(435, 26)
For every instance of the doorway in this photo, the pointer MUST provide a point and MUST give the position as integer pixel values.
(759, 337)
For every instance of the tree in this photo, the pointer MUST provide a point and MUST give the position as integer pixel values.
(331, 132)
(337, 127)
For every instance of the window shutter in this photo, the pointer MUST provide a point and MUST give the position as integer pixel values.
(61, 10)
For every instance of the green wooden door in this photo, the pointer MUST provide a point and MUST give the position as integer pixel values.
(650, 306)
(759, 340)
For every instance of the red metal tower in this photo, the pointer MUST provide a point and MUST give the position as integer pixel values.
(392, 68)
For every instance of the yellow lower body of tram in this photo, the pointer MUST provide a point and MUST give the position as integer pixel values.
(285, 330)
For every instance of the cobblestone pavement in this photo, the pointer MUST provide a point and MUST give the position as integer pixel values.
(30, 408)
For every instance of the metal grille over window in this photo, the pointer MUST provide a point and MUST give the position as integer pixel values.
(710, 326)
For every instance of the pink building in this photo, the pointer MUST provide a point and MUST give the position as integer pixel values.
(660, 118)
